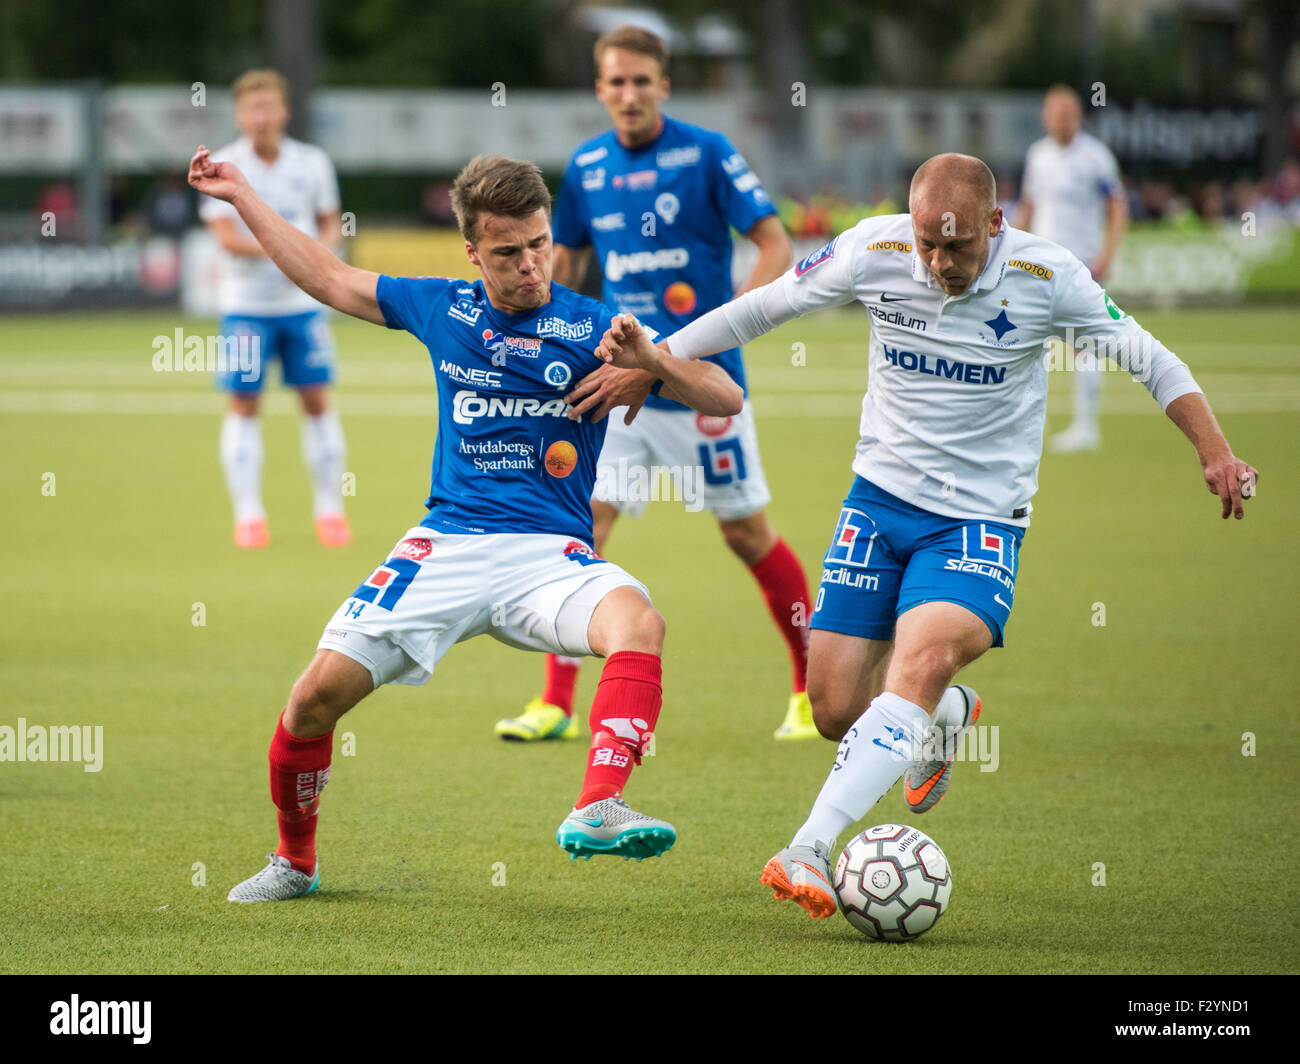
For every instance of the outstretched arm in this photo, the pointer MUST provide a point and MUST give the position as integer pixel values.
(1226, 475)
(308, 264)
(704, 386)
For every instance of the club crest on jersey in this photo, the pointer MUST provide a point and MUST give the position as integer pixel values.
(1001, 325)
(581, 553)
(558, 374)
(815, 259)
(524, 346)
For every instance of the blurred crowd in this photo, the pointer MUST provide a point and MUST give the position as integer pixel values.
(168, 206)
(1271, 200)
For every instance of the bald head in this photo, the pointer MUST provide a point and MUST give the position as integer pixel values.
(953, 204)
(952, 182)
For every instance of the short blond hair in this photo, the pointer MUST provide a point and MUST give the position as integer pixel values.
(633, 39)
(257, 80)
(494, 184)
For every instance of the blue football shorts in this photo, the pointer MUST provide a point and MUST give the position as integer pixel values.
(301, 342)
(887, 556)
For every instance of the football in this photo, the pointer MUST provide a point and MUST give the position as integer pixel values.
(893, 882)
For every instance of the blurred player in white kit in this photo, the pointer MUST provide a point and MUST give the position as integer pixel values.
(270, 316)
(1072, 195)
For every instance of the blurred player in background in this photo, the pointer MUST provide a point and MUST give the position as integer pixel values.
(259, 302)
(920, 575)
(505, 547)
(1072, 194)
(657, 200)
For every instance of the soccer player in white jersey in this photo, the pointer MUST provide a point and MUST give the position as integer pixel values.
(920, 575)
(656, 200)
(1071, 194)
(505, 548)
(269, 316)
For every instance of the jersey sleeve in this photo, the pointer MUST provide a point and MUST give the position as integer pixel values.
(327, 184)
(410, 302)
(826, 278)
(735, 188)
(760, 310)
(1088, 320)
(569, 219)
(1108, 179)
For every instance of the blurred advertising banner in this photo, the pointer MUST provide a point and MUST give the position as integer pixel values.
(121, 273)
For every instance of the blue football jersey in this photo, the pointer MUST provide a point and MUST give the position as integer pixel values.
(659, 218)
(506, 459)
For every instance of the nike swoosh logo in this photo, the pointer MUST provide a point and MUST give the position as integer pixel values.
(1005, 605)
(894, 299)
(595, 822)
(814, 871)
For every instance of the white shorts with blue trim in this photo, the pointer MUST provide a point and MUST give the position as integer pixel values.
(435, 589)
(706, 463)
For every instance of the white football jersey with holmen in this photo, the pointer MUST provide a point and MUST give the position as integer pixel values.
(952, 420)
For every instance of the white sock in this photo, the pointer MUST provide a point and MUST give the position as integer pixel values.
(1087, 398)
(241, 461)
(324, 451)
(864, 768)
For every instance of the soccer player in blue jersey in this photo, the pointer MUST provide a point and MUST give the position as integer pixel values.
(657, 199)
(505, 548)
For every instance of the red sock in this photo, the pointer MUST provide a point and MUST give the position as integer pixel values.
(785, 588)
(623, 717)
(561, 675)
(300, 768)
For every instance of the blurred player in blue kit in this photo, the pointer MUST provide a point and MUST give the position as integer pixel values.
(505, 548)
(656, 199)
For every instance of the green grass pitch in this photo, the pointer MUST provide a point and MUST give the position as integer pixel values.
(1118, 744)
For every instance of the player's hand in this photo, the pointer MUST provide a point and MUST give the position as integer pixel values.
(1100, 269)
(1231, 480)
(603, 389)
(627, 345)
(218, 180)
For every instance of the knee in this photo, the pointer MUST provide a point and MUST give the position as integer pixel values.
(932, 666)
(749, 543)
(642, 630)
(314, 706)
(831, 720)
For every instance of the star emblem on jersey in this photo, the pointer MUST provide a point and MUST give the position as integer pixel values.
(1001, 324)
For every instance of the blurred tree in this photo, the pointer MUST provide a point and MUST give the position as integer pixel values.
(454, 43)
(122, 41)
